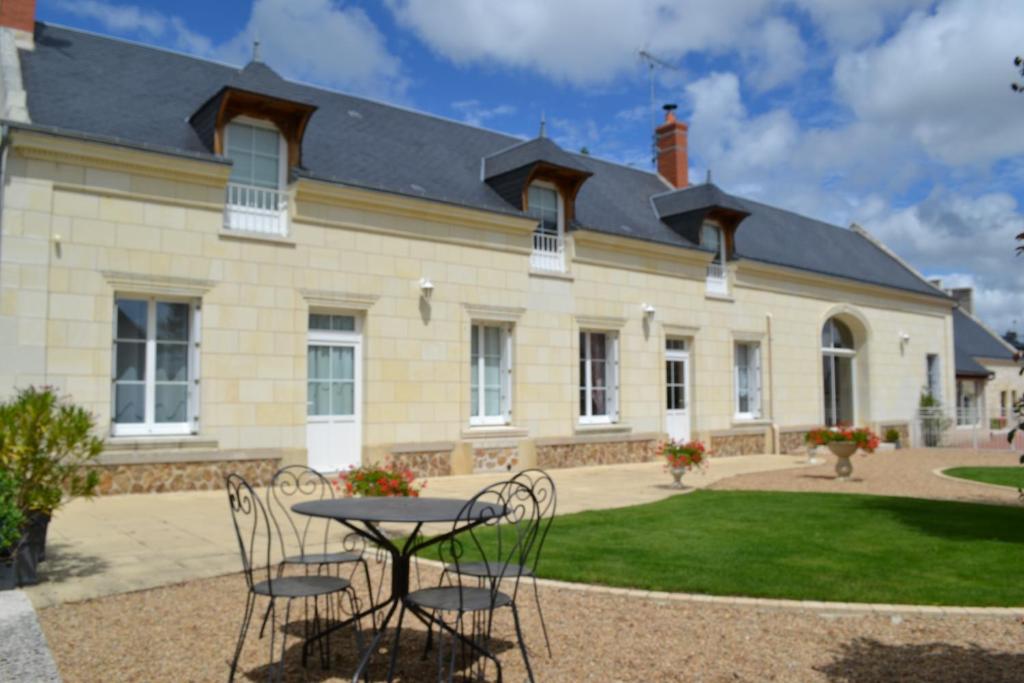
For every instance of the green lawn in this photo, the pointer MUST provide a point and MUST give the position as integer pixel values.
(1004, 476)
(811, 546)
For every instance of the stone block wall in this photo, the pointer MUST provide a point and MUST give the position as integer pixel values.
(737, 443)
(423, 463)
(559, 455)
(502, 459)
(792, 440)
(181, 476)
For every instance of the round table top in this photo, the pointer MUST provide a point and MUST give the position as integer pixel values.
(396, 509)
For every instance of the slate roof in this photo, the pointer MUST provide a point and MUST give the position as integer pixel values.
(971, 340)
(112, 90)
(531, 152)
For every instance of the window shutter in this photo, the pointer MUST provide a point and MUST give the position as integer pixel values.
(194, 390)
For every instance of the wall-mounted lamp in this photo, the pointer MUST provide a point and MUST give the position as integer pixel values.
(648, 310)
(904, 338)
(426, 287)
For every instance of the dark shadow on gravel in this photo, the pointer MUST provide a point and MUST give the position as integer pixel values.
(866, 660)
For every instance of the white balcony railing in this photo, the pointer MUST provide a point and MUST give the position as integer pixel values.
(968, 415)
(256, 210)
(548, 253)
(718, 280)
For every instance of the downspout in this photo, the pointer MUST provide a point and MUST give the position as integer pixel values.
(771, 385)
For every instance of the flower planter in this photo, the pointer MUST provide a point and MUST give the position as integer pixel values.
(26, 565)
(38, 522)
(8, 574)
(843, 450)
(677, 476)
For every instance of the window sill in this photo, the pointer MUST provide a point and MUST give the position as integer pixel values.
(602, 428)
(719, 297)
(256, 237)
(740, 421)
(156, 443)
(552, 274)
(494, 432)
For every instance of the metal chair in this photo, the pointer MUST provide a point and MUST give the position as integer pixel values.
(543, 488)
(500, 545)
(312, 535)
(254, 531)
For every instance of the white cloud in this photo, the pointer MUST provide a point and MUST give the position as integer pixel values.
(319, 41)
(775, 52)
(136, 20)
(943, 79)
(475, 114)
(847, 24)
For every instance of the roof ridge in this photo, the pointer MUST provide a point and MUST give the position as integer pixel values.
(992, 333)
(858, 229)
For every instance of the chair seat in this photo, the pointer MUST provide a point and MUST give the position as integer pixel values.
(490, 571)
(446, 598)
(325, 558)
(301, 586)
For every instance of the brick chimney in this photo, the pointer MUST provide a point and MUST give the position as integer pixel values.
(670, 137)
(18, 14)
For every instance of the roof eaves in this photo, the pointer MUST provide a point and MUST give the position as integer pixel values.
(858, 229)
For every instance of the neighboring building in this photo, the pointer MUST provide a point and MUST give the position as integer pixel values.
(232, 270)
(988, 381)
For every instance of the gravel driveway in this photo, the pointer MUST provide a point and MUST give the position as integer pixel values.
(186, 632)
(908, 472)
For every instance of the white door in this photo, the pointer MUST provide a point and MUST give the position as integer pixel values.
(334, 394)
(677, 370)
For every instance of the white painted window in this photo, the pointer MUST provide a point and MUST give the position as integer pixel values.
(934, 386)
(747, 364)
(544, 202)
(155, 367)
(490, 371)
(256, 200)
(711, 237)
(599, 375)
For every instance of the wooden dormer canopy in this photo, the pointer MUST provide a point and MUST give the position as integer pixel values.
(253, 94)
(510, 172)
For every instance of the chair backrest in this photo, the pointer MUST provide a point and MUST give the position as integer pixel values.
(295, 484)
(252, 528)
(542, 486)
(496, 528)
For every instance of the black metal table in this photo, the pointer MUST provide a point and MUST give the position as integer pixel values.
(364, 515)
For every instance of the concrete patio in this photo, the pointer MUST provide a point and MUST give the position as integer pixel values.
(118, 544)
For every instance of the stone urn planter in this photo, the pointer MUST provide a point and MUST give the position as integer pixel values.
(843, 450)
(677, 476)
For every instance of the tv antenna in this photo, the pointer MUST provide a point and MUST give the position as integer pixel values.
(652, 63)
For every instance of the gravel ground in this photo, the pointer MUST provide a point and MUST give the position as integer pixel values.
(186, 633)
(908, 472)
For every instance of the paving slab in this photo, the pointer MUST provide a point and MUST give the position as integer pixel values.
(24, 655)
(115, 544)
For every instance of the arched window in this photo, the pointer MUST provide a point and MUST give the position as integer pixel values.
(838, 357)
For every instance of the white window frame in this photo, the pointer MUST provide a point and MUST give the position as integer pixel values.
(720, 256)
(753, 371)
(560, 203)
(477, 327)
(282, 145)
(149, 426)
(612, 377)
(933, 376)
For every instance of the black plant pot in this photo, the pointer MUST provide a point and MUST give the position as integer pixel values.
(8, 574)
(25, 564)
(38, 523)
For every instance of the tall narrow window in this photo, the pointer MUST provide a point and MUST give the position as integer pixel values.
(256, 201)
(747, 361)
(598, 377)
(545, 204)
(711, 238)
(154, 367)
(490, 371)
(933, 388)
(1003, 409)
(838, 357)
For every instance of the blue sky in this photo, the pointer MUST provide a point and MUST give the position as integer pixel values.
(896, 114)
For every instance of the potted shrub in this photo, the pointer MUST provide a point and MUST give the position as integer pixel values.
(47, 444)
(682, 457)
(892, 436)
(843, 442)
(376, 480)
(12, 530)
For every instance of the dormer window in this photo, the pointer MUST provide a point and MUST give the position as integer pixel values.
(712, 238)
(256, 201)
(544, 203)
